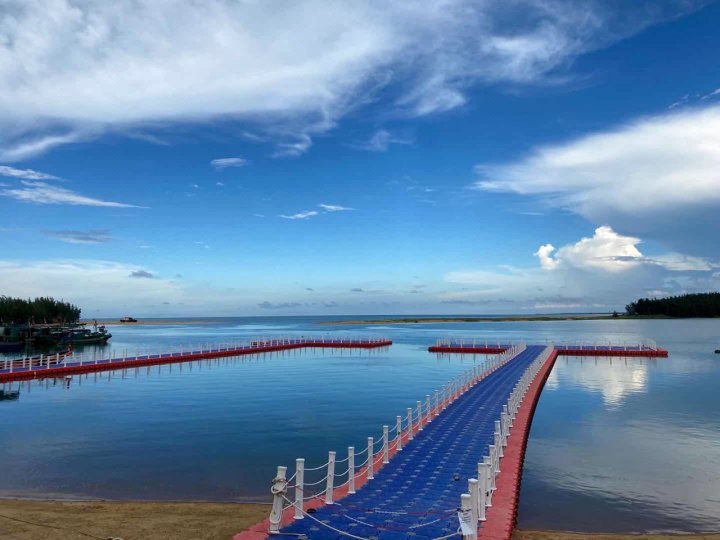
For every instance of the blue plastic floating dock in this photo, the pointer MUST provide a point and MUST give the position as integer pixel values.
(417, 494)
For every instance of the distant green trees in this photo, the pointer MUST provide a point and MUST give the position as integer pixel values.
(686, 305)
(39, 310)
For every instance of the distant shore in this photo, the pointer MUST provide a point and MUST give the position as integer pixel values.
(148, 322)
(509, 318)
(133, 520)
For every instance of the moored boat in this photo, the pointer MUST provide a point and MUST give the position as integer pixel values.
(80, 335)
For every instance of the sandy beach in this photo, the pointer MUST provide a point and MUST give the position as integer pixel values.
(78, 520)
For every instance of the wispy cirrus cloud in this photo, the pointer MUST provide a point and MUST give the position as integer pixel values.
(335, 208)
(43, 193)
(26, 174)
(326, 209)
(224, 163)
(423, 56)
(381, 141)
(307, 214)
(81, 237)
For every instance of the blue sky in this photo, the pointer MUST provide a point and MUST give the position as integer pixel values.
(276, 158)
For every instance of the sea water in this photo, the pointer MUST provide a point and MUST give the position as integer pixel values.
(616, 444)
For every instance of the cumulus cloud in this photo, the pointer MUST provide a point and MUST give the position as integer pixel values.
(43, 193)
(656, 177)
(224, 163)
(72, 69)
(599, 272)
(605, 250)
(81, 237)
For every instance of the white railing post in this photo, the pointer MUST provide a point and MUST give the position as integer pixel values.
(498, 438)
(278, 490)
(489, 481)
(493, 465)
(371, 459)
(330, 478)
(468, 529)
(386, 449)
(351, 469)
(474, 497)
(299, 490)
(419, 416)
(444, 397)
(410, 424)
(428, 410)
(482, 490)
(398, 432)
(437, 403)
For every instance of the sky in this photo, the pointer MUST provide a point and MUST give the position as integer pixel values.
(230, 158)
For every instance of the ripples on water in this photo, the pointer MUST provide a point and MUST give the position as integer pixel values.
(616, 444)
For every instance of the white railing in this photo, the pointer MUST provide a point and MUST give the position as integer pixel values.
(474, 503)
(74, 358)
(405, 429)
(470, 343)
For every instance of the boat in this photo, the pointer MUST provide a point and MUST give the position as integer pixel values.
(80, 335)
(10, 346)
(127, 319)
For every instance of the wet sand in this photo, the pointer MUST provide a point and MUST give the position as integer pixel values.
(70, 520)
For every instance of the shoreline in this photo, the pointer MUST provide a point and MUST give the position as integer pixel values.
(29, 519)
(140, 322)
(509, 318)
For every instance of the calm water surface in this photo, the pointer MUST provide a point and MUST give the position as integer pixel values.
(616, 444)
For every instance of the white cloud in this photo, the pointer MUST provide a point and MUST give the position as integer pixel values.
(656, 177)
(28, 142)
(71, 70)
(601, 272)
(334, 208)
(100, 284)
(42, 193)
(544, 254)
(26, 174)
(224, 163)
(381, 141)
(301, 215)
(606, 250)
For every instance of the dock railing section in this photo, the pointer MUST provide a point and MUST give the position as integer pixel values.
(484, 343)
(474, 503)
(76, 358)
(377, 453)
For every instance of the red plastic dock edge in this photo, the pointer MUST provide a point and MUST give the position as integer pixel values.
(502, 516)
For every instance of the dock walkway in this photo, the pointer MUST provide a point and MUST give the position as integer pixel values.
(54, 366)
(417, 494)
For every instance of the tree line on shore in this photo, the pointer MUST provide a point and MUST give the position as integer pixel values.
(39, 310)
(686, 305)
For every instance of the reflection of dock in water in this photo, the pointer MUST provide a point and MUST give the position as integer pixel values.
(9, 395)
